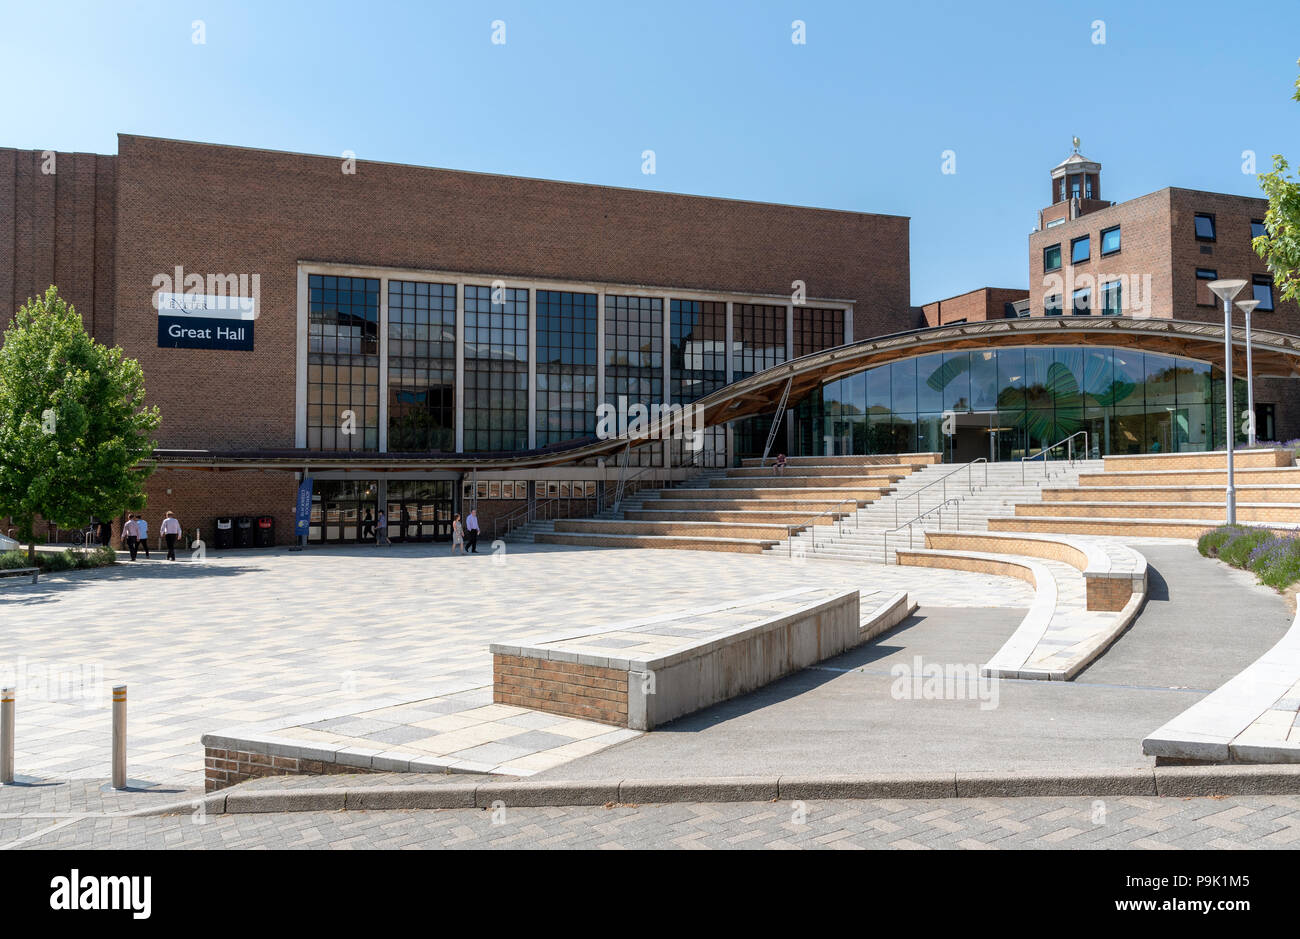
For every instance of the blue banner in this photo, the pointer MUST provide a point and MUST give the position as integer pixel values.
(302, 515)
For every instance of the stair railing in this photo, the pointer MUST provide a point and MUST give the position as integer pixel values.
(805, 523)
(1046, 452)
(776, 421)
(943, 482)
(956, 501)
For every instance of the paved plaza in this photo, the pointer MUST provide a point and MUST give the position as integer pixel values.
(979, 824)
(275, 640)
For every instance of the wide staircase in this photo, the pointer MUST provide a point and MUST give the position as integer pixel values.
(939, 497)
(747, 509)
(1173, 495)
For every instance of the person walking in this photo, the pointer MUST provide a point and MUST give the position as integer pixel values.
(471, 530)
(105, 534)
(368, 527)
(381, 530)
(142, 534)
(130, 537)
(170, 530)
(457, 536)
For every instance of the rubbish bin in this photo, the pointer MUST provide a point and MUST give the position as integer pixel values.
(265, 534)
(225, 537)
(243, 532)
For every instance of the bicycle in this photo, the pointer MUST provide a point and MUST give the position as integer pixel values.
(85, 537)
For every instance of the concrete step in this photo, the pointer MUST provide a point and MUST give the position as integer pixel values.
(1242, 476)
(1203, 493)
(779, 518)
(738, 545)
(787, 481)
(748, 530)
(1246, 511)
(1214, 459)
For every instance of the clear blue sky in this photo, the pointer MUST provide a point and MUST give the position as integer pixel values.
(855, 119)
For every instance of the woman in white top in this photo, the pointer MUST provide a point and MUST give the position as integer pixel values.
(457, 536)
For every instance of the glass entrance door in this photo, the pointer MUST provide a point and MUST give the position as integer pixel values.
(419, 510)
(342, 510)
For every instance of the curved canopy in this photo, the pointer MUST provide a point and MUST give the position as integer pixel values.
(1274, 355)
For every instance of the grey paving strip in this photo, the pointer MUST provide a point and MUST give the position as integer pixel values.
(407, 791)
(867, 670)
(1079, 823)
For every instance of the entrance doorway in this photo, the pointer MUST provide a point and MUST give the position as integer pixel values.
(343, 510)
(419, 510)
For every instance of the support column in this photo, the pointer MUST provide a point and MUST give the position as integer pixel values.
(668, 374)
(727, 353)
(600, 347)
(383, 365)
(532, 368)
(460, 368)
(789, 354)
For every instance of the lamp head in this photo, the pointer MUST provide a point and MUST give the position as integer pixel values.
(1225, 290)
(1247, 306)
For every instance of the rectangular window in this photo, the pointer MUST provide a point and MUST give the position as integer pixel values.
(1110, 241)
(1080, 249)
(1052, 258)
(1052, 304)
(634, 350)
(698, 348)
(1204, 227)
(1205, 296)
(1262, 285)
(421, 366)
(1081, 302)
(816, 330)
(1257, 228)
(1112, 298)
(496, 368)
(566, 366)
(1087, 187)
(342, 363)
(1074, 187)
(757, 338)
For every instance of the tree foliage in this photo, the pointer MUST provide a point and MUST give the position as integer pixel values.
(74, 428)
(1280, 245)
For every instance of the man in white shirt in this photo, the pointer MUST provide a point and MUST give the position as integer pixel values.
(129, 535)
(142, 532)
(170, 530)
(471, 531)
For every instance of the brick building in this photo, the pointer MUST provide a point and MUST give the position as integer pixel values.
(369, 323)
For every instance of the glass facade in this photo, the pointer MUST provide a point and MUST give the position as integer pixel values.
(496, 369)
(698, 366)
(1007, 403)
(421, 366)
(342, 363)
(566, 366)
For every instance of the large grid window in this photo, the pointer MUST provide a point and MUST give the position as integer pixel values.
(566, 365)
(816, 330)
(699, 349)
(496, 369)
(342, 363)
(634, 349)
(757, 338)
(421, 366)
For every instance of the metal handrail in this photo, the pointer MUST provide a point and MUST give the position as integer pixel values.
(1045, 452)
(803, 523)
(970, 485)
(956, 500)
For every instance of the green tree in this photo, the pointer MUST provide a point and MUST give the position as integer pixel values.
(74, 429)
(1280, 245)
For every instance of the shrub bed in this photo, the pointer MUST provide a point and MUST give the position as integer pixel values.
(1274, 560)
(67, 560)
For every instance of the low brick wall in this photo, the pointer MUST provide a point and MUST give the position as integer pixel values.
(222, 768)
(1270, 456)
(1108, 594)
(588, 692)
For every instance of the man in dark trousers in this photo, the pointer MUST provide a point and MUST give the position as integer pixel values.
(471, 531)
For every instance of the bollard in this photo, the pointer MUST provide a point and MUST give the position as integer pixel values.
(119, 736)
(6, 736)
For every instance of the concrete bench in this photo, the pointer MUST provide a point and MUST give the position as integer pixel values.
(1061, 634)
(642, 675)
(1113, 573)
(33, 572)
(1250, 719)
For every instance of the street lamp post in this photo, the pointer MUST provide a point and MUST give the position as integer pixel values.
(1225, 290)
(1248, 307)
